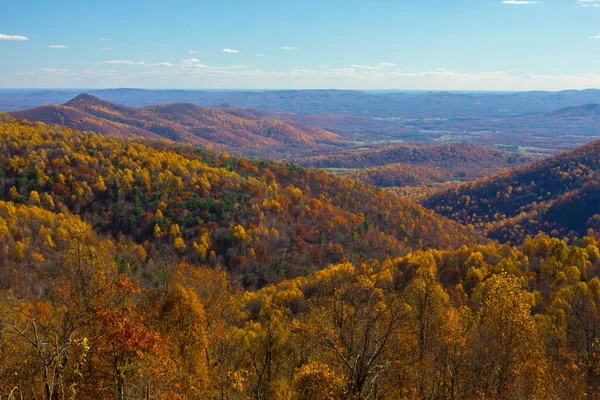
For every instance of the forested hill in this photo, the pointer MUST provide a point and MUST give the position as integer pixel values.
(412, 164)
(263, 220)
(222, 129)
(447, 155)
(559, 195)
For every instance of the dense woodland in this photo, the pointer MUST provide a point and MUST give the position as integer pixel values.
(137, 269)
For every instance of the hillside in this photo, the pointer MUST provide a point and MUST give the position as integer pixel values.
(263, 221)
(445, 155)
(212, 128)
(558, 195)
(418, 164)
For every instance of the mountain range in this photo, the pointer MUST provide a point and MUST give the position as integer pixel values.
(393, 103)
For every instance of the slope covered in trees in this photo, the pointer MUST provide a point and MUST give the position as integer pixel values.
(418, 164)
(449, 155)
(264, 221)
(559, 195)
(219, 129)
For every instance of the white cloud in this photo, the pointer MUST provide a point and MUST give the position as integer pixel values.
(193, 51)
(387, 64)
(519, 2)
(46, 72)
(106, 48)
(124, 62)
(196, 75)
(54, 70)
(231, 51)
(13, 37)
(260, 55)
(161, 64)
(57, 46)
(104, 40)
(365, 66)
(595, 37)
(190, 61)
(286, 48)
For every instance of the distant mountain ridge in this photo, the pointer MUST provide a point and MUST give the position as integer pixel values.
(216, 128)
(328, 101)
(577, 111)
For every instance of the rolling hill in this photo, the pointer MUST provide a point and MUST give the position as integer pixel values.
(559, 195)
(418, 164)
(217, 129)
(447, 154)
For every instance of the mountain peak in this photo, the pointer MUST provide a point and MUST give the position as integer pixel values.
(85, 99)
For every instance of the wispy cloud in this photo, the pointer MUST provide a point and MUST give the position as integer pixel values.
(57, 46)
(588, 3)
(161, 64)
(104, 40)
(260, 55)
(595, 37)
(46, 72)
(287, 48)
(193, 51)
(57, 70)
(190, 61)
(519, 2)
(194, 74)
(387, 64)
(68, 75)
(230, 51)
(106, 48)
(371, 67)
(12, 37)
(124, 62)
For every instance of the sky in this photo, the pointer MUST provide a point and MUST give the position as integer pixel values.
(301, 44)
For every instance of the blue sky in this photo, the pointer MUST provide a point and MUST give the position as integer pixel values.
(267, 44)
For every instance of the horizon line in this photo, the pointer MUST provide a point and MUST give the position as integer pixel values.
(295, 89)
